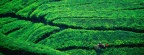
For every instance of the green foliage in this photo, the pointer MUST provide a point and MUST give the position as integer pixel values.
(38, 33)
(112, 16)
(6, 20)
(14, 6)
(26, 31)
(32, 32)
(28, 10)
(16, 44)
(108, 23)
(14, 25)
(40, 11)
(124, 51)
(88, 38)
(80, 52)
(3, 2)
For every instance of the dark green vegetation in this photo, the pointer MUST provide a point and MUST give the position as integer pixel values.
(71, 27)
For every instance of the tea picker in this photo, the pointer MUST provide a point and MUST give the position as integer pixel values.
(98, 48)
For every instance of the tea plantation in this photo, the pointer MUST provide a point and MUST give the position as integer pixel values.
(71, 27)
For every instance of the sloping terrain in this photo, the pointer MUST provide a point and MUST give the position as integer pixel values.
(71, 27)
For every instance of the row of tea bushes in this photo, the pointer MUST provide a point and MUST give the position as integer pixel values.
(14, 6)
(14, 25)
(14, 44)
(102, 23)
(25, 30)
(89, 38)
(6, 20)
(124, 51)
(80, 52)
(108, 51)
(25, 12)
(32, 32)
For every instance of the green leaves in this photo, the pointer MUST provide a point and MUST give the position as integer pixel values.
(102, 23)
(79, 23)
(17, 44)
(124, 51)
(14, 25)
(6, 20)
(73, 37)
(28, 10)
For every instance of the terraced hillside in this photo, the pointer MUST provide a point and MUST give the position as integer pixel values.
(71, 27)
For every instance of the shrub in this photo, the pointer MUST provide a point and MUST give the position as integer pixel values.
(14, 25)
(88, 38)
(6, 20)
(17, 44)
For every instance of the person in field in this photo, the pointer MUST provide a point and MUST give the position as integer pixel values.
(98, 48)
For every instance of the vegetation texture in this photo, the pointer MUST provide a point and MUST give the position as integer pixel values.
(71, 27)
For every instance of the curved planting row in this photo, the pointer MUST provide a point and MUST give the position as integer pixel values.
(124, 51)
(75, 37)
(51, 10)
(131, 24)
(108, 51)
(25, 30)
(6, 20)
(16, 5)
(14, 25)
(74, 41)
(19, 47)
(40, 27)
(80, 52)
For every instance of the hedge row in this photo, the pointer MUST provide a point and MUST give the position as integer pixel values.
(28, 10)
(17, 44)
(41, 33)
(80, 52)
(108, 51)
(107, 23)
(6, 20)
(89, 38)
(124, 51)
(14, 25)
(4, 1)
(32, 32)
(14, 6)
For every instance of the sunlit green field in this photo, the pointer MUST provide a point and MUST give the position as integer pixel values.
(71, 27)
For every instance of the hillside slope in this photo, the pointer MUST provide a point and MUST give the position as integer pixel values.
(71, 27)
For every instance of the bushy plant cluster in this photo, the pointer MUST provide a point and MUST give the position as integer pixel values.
(4, 1)
(80, 52)
(17, 44)
(14, 6)
(117, 23)
(107, 23)
(32, 32)
(14, 25)
(6, 20)
(25, 30)
(28, 10)
(124, 51)
(88, 38)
